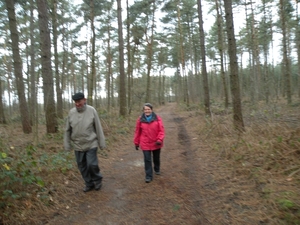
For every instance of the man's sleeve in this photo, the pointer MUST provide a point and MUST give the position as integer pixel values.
(67, 135)
(99, 131)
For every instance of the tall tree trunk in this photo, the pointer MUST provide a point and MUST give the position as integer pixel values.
(163, 89)
(203, 60)
(92, 80)
(109, 70)
(182, 58)
(59, 107)
(33, 97)
(197, 78)
(49, 103)
(129, 74)
(286, 61)
(76, 86)
(2, 115)
(8, 82)
(65, 57)
(18, 66)
(255, 59)
(159, 91)
(298, 49)
(193, 86)
(250, 78)
(150, 54)
(234, 78)
(221, 52)
(265, 47)
(122, 87)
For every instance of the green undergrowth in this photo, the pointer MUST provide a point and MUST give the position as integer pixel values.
(23, 170)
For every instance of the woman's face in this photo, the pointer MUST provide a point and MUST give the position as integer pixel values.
(147, 110)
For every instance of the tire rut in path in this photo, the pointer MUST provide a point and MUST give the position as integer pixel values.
(190, 172)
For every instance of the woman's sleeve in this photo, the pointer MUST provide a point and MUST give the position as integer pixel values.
(161, 130)
(137, 133)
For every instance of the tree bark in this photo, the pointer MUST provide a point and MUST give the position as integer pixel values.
(49, 103)
(18, 67)
(203, 60)
(129, 66)
(298, 49)
(109, 70)
(186, 98)
(2, 115)
(234, 78)
(59, 108)
(286, 60)
(221, 52)
(122, 87)
(150, 43)
(92, 76)
(33, 81)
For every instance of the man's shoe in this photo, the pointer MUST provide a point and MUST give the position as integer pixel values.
(148, 180)
(88, 188)
(98, 186)
(157, 173)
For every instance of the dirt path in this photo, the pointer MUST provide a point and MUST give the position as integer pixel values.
(177, 196)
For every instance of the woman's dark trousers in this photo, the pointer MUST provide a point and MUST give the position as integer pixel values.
(148, 162)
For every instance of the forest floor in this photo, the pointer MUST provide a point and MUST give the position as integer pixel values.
(209, 175)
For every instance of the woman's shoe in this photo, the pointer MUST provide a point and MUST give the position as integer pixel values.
(148, 180)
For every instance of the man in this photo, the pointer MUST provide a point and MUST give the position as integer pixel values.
(84, 130)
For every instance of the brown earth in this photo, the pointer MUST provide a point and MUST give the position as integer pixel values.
(197, 185)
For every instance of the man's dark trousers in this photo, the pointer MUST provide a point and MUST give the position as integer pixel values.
(87, 162)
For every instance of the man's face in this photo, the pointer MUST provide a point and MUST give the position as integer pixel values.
(79, 104)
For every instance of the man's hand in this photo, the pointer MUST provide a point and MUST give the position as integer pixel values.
(136, 147)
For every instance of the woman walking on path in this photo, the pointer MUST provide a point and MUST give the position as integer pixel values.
(148, 136)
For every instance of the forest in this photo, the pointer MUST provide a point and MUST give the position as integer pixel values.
(230, 69)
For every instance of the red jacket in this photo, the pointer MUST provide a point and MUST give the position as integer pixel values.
(148, 133)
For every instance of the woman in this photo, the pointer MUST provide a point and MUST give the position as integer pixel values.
(149, 135)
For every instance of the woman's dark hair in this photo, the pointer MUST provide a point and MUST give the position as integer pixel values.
(148, 105)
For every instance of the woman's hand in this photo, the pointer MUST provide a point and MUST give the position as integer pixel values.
(158, 143)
